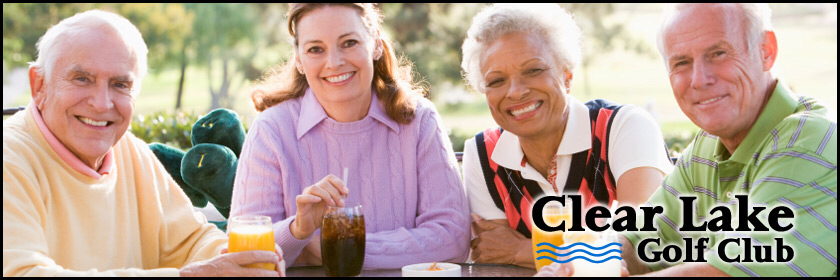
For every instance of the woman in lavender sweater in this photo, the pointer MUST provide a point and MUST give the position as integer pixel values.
(345, 101)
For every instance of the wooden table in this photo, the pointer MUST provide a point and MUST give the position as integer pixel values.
(467, 270)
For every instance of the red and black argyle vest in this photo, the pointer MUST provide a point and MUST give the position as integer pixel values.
(589, 173)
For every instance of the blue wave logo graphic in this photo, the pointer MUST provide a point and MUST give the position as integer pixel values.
(578, 244)
(578, 252)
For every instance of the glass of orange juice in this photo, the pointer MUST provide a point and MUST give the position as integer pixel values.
(605, 244)
(553, 213)
(251, 232)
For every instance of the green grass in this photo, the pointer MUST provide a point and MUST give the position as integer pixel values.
(679, 127)
(160, 90)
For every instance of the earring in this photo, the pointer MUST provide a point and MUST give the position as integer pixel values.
(378, 54)
(300, 70)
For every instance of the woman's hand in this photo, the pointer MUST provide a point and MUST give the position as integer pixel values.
(496, 242)
(568, 270)
(312, 203)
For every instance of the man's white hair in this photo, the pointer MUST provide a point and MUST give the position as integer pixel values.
(549, 21)
(756, 19)
(93, 19)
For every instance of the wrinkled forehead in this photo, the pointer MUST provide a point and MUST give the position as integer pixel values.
(690, 17)
(693, 24)
(95, 51)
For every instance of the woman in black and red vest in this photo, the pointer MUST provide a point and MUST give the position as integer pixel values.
(522, 57)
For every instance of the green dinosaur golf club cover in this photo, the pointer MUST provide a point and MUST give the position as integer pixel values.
(210, 169)
(221, 126)
(171, 158)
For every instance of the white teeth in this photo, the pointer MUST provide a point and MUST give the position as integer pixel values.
(92, 122)
(710, 100)
(526, 109)
(339, 78)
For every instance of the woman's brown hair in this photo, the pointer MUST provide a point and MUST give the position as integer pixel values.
(392, 78)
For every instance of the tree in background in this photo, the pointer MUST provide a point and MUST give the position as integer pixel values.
(601, 36)
(176, 35)
(25, 23)
(430, 35)
(166, 28)
(222, 31)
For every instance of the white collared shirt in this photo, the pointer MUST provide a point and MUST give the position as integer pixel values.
(635, 141)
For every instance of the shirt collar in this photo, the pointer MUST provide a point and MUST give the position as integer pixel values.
(312, 113)
(782, 103)
(377, 112)
(66, 155)
(508, 152)
(578, 134)
(577, 137)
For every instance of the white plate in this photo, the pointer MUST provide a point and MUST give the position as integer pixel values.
(419, 270)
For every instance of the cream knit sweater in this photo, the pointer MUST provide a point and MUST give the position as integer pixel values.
(134, 221)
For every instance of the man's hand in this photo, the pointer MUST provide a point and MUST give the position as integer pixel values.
(556, 270)
(496, 242)
(567, 269)
(631, 261)
(233, 264)
(624, 271)
(280, 266)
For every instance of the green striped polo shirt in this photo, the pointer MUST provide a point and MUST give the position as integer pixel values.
(789, 158)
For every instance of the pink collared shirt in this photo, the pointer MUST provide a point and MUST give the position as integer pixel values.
(68, 156)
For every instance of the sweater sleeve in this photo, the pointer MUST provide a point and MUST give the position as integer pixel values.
(442, 226)
(259, 190)
(481, 203)
(25, 250)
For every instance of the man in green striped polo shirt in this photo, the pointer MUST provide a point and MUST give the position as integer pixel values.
(758, 139)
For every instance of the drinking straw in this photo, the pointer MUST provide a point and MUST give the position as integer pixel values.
(345, 180)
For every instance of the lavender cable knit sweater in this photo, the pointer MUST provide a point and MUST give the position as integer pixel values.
(404, 175)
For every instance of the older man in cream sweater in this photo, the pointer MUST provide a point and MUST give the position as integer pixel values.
(80, 196)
